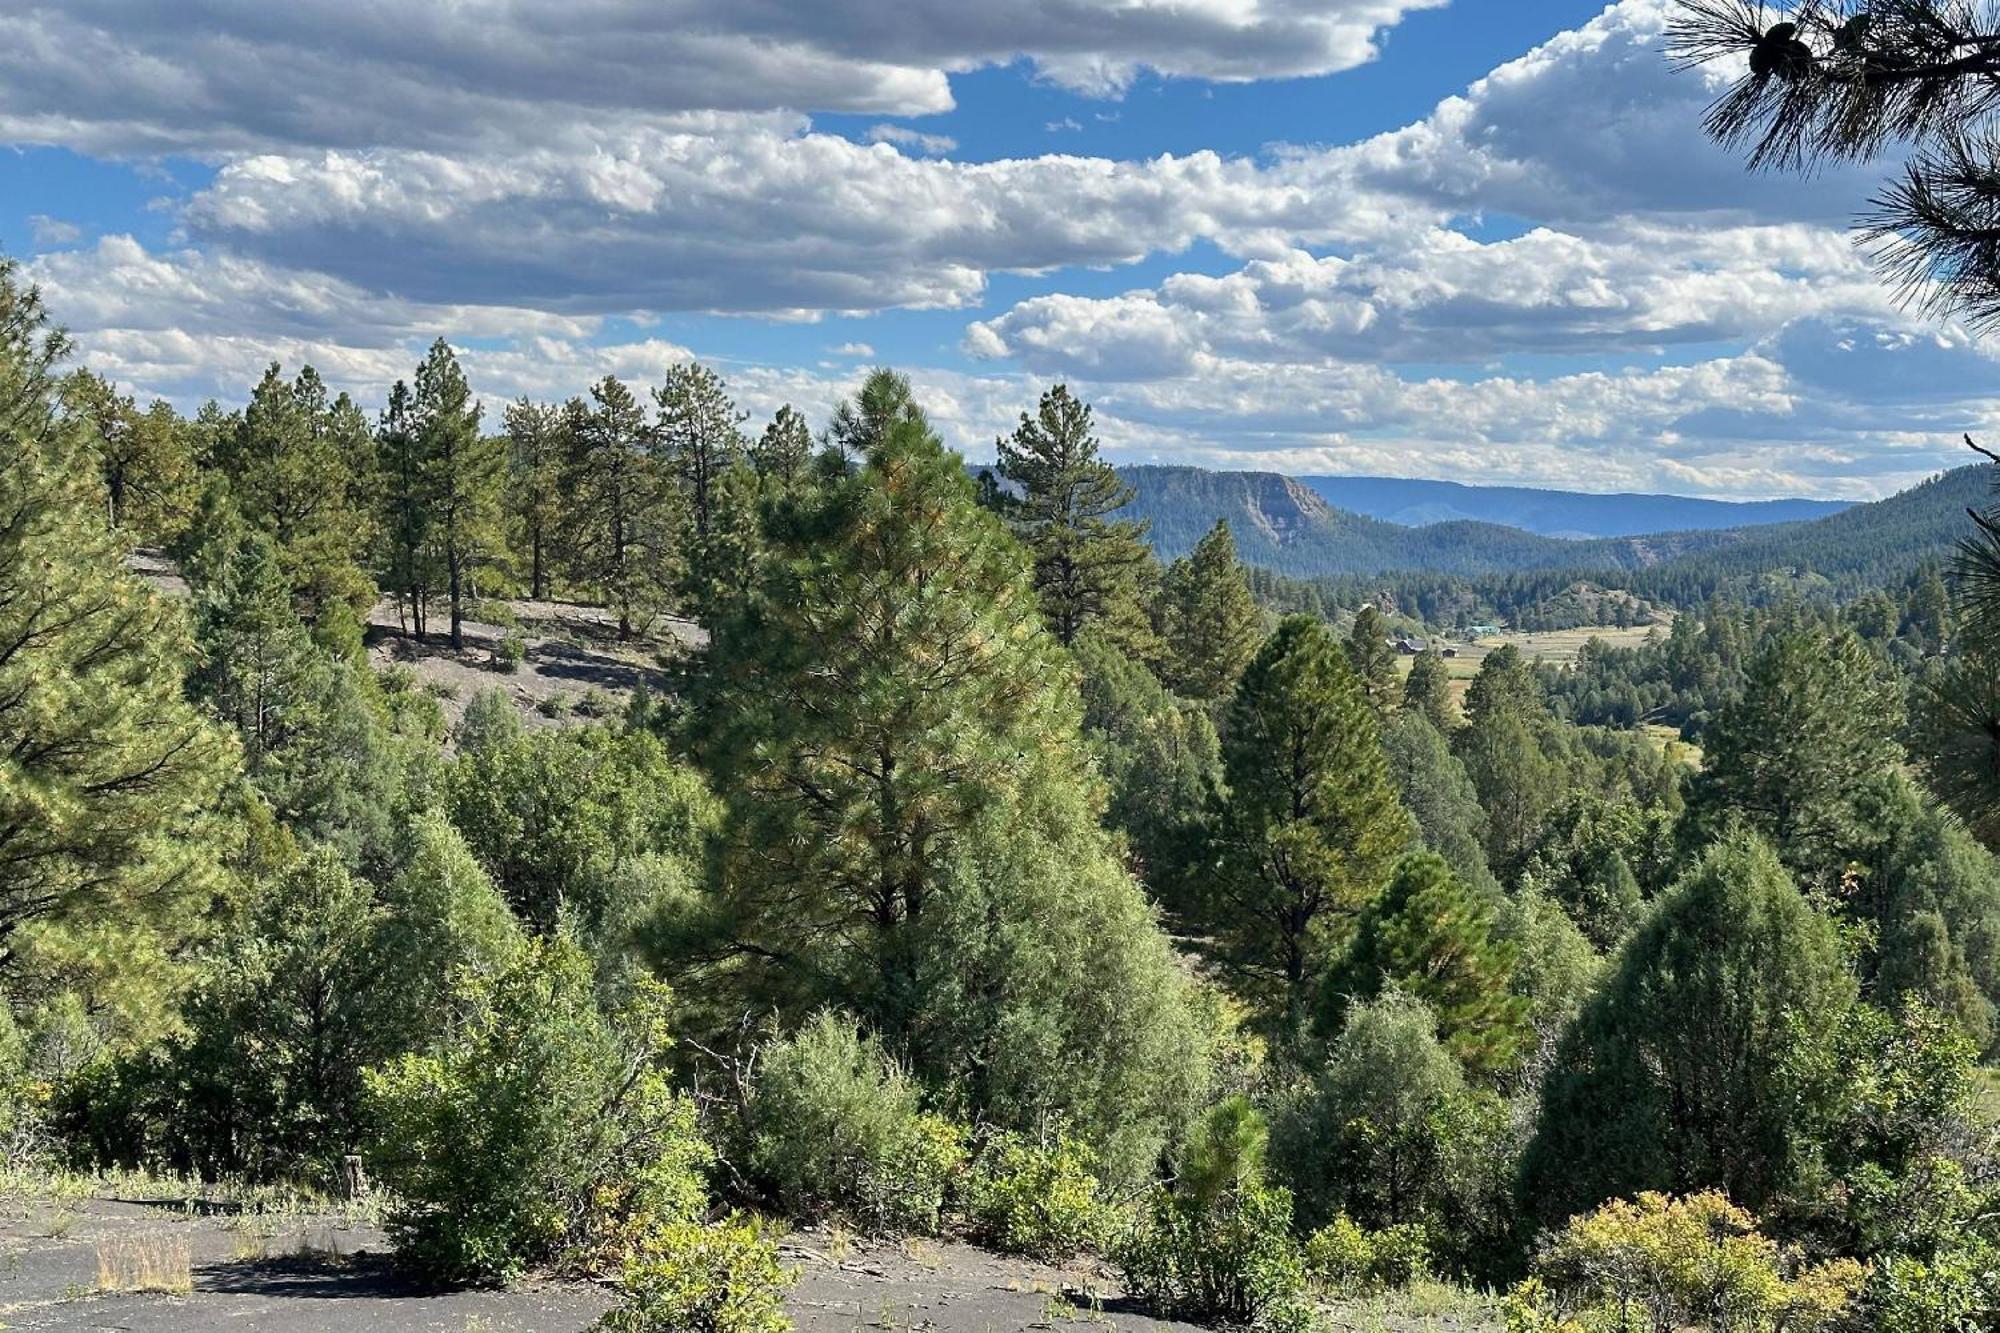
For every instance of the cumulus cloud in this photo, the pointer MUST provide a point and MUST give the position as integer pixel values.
(1594, 124)
(232, 76)
(1440, 296)
(742, 215)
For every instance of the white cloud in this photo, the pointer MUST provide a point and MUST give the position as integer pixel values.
(1439, 296)
(856, 351)
(49, 231)
(728, 213)
(231, 76)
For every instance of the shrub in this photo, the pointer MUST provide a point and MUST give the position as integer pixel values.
(1038, 1198)
(542, 1134)
(510, 653)
(1219, 1245)
(1231, 1258)
(1657, 1264)
(690, 1277)
(836, 1127)
(1346, 1259)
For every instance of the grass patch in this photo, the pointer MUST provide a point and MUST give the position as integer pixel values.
(145, 1262)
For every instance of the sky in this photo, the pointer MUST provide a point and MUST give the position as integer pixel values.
(1478, 240)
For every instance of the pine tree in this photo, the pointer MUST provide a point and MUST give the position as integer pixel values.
(409, 566)
(259, 671)
(1815, 716)
(1427, 691)
(537, 447)
(301, 467)
(1087, 566)
(1430, 936)
(144, 459)
(108, 775)
(784, 450)
(1502, 749)
(1209, 621)
(1311, 824)
(462, 475)
(623, 513)
(1374, 660)
(1440, 797)
(885, 686)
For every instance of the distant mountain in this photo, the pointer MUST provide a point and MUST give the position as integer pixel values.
(1285, 525)
(1574, 514)
(1281, 524)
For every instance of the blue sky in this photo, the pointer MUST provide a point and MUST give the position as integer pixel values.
(1452, 238)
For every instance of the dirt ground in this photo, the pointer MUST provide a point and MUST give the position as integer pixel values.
(574, 658)
(61, 1265)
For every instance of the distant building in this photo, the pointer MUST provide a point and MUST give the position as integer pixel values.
(1409, 647)
(1450, 652)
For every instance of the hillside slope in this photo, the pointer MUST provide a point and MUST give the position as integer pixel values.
(1552, 513)
(1282, 524)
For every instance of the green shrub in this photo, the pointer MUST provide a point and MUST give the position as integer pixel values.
(691, 1277)
(1229, 1259)
(1219, 1246)
(1346, 1259)
(836, 1128)
(1657, 1264)
(1954, 1291)
(541, 1136)
(1038, 1198)
(510, 653)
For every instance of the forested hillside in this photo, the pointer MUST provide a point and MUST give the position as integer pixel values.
(1282, 525)
(1577, 515)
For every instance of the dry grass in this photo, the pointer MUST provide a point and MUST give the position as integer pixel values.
(145, 1261)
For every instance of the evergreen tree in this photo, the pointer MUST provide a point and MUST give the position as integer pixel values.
(143, 458)
(784, 450)
(1209, 621)
(1678, 1075)
(409, 566)
(623, 513)
(1440, 797)
(698, 440)
(1427, 691)
(1502, 748)
(1162, 761)
(1311, 824)
(1373, 658)
(301, 467)
(108, 775)
(463, 472)
(1431, 937)
(1087, 565)
(886, 684)
(537, 447)
(1816, 716)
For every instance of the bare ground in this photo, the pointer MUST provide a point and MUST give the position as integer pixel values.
(322, 1274)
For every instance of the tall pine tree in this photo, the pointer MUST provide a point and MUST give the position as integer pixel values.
(1088, 566)
(463, 472)
(1207, 617)
(537, 446)
(624, 512)
(1311, 824)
